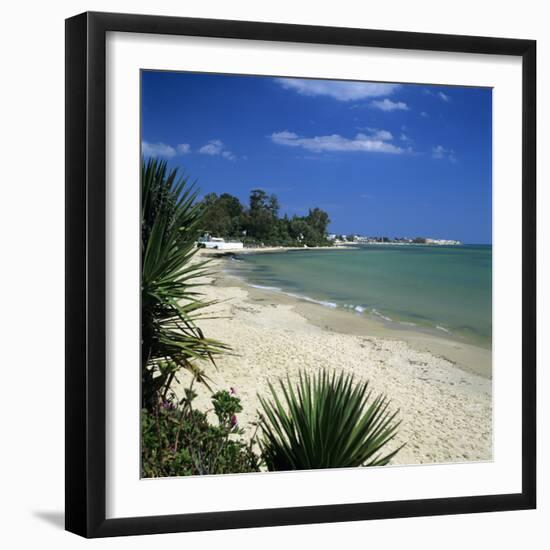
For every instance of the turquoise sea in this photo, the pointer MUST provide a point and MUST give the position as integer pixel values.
(445, 289)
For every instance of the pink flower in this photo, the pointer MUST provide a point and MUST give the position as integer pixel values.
(232, 391)
(234, 420)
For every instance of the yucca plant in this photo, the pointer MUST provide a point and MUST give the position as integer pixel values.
(325, 421)
(171, 303)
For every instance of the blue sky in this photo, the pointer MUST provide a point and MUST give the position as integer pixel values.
(381, 159)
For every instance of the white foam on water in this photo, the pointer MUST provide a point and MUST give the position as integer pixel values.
(297, 296)
(308, 299)
(378, 314)
(358, 309)
(261, 287)
(443, 329)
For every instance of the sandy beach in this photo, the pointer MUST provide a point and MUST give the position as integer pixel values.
(441, 387)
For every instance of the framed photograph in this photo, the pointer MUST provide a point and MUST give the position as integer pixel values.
(300, 277)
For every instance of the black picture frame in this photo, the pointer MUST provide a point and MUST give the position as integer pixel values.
(86, 274)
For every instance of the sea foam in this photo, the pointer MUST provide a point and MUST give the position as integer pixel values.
(272, 288)
(308, 299)
(378, 314)
(297, 296)
(358, 309)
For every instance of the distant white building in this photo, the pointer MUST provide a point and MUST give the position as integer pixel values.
(442, 241)
(218, 243)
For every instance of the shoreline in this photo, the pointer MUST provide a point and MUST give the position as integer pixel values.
(445, 405)
(466, 354)
(269, 249)
(463, 355)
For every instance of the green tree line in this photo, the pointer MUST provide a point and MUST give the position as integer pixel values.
(259, 223)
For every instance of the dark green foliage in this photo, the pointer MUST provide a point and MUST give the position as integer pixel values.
(325, 421)
(259, 224)
(223, 215)
(171, 304)
(318, 220)
(178, 440)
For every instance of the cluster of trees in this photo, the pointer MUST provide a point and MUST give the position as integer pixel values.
(260, 224)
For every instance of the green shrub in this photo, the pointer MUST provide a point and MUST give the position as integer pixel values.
(178, 440)
(326, 421)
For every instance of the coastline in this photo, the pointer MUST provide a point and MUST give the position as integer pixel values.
(269, 249)
(441, 387)
(471, 354)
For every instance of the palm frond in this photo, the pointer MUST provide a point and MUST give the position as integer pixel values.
(171, 303)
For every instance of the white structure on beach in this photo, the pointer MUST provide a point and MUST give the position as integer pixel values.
(218, 243)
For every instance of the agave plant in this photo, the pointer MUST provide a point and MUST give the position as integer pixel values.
(326, 421)
(171, 303)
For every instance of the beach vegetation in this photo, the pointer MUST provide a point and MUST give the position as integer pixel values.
(325, 421)
(179, 440)
(171, 304)
(176, 438)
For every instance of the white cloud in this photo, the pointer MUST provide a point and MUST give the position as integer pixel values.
(216, 147)
(375, 133)
(439, 152)
(213, 147)
(389, 105)
(384, 135)
(376, 142)
(163, 150)
(405, 138)
(440, 95)
(337, 89)
(157, 150)
(228, 155)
